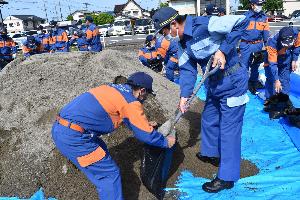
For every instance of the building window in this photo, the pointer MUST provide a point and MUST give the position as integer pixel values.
(11, 25)
(18, 23)
(25, 23)
(135, 12)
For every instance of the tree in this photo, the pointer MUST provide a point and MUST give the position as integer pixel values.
(70, 18)
(163, 5)
(270, 5)
(103, 18)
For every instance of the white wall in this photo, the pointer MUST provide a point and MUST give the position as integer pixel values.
(132, 10)
(13, 24)
(290, 5)
(184, 7)
(78, 15)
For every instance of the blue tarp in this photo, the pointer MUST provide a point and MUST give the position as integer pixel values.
(266, 143)
(39, 195)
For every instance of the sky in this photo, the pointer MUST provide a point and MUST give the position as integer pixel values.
(54, 8)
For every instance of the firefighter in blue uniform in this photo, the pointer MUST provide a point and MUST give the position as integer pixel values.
(92, 35)
(43, 38)
(8, 49)
(167, 49)
(80, 37)
(60, 40)
(148, 54)
(100, 111)
(222, 118)
(253, 40)
(32, 46)
(282, 55)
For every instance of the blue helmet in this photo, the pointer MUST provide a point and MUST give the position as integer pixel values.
(89, 18)
(211, 9)
(287, 36)
(141, 79)
(257, 2)
(163, 17)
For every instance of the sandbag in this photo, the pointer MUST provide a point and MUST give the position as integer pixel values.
(293, 116)
(155, 167)
(277, 105)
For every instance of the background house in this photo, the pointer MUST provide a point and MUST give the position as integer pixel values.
(79, 14)
(19, 23)
(130, 9)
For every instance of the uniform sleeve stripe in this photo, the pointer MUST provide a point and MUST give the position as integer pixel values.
(112, 102)
(135, 113)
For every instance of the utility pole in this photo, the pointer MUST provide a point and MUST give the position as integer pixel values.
(61, 16)
(45, 9)
(86, 5)
(56, 13)
(2, 3)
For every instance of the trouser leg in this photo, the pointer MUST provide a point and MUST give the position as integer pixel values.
(210, 128)
(231, 123)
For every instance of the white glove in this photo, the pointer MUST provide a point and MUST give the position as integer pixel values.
(14, 56)
(89, 48)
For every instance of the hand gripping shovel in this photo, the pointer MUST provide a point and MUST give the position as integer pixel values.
(168, 128)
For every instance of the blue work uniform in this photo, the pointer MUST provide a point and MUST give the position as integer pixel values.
(278, 63)
(93, 38)
(82, 43)
(7, 48)
(253, 40)
(222, 117)
(31, 49)
(44, 39)
(147, 54)
(168, 51)
(94, 113)
(60, 41)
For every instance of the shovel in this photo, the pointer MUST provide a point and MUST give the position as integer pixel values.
(168, 128)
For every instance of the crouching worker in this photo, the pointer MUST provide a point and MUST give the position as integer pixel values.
(149, 56)
(283, 52)
(31, 46)
(82, 43)
(100, 111)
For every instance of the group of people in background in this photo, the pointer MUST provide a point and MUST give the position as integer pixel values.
(55, 40)
(87, 39)
(279, 53)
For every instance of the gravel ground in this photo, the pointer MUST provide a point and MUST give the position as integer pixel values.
(33, 91)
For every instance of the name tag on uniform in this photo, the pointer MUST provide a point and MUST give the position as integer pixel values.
(237, 101)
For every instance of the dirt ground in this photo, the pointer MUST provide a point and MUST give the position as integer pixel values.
(57, 176)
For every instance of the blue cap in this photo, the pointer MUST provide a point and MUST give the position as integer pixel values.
(141, 79)
(211, 9)
(89, 18)
(149, 38)
(163, 17)
(257, 2)
(287, 35)
(221, 10)
(30, 39)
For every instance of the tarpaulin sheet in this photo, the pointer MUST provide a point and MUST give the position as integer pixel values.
(39, 195)
(266, 143)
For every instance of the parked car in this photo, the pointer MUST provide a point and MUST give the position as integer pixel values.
(277, 18)
(31, 32)
(19, 38)
(103, 29)
(120, 27)
(295, 15)
(142, 25)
